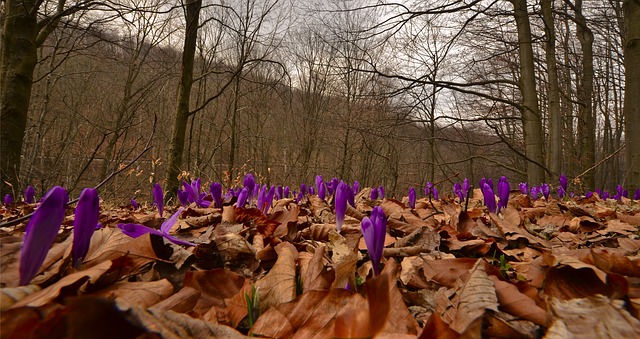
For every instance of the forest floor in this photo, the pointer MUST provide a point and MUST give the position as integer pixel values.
(552, 269)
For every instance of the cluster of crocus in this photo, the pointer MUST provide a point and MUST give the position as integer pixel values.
(461, 190)
(158, 198)
(8, 199)
(431, 191)
(562, 189)
(265, 198)
(374, 230)
(412, 197)
(620, 193)
(136, 230)
(191, 194)
(376, 193)
(41, 232)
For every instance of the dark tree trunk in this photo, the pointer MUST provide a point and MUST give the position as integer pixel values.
(182, 112)
(632, 93)
(17, 63)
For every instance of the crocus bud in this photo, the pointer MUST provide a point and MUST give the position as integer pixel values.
(342, 194)
(286, 192)
(381, 192)
(374, 230)
(489, 198)
(250, 185)
(412, 197)
(374, 194)
(134, 204)
(563, 182)
(322, 191)
(183, 197)
(158, 198)
(29, 195)
(636, 195)
(84, 224)
(356, 187)
(8, 199)
(546, 190)
(41, 232)
(216, 194)
(242, 197)
(503, 192)
(524, 188)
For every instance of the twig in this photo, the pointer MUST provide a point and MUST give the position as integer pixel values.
(599, 162)
(147, 147)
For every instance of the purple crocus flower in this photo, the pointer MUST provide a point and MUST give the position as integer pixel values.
(503, 192)
(333, 185)
(29, 195)
(381, 192)
(412, 197)
(230, 194)
(489, 197)
(279, 191)
(588, 195)
(534, 193)
(303, 189)
(158, 197)
(342, 195)
(599, 191)
(136, 230)
(524, 187)
(312, 190)
(457, 189)
(431, 191)
(465, 187)
(374, 230)
(216, 194)
(319, 182)
(8, 199)
(250, 184)
(269, 199)
(561, 192)
(350, 196)
(286, 192)
(41, 232)
(322, 191)
(605, 195)
(356, 187)
(242, 197)
(183, 197)
(563, 182)
(134, 204)
(84, 224)
(374, 194)
(636, 195)
(546, 190)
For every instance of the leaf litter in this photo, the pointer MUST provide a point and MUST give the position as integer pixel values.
(553, 269)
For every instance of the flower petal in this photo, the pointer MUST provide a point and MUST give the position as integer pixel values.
(86, 219)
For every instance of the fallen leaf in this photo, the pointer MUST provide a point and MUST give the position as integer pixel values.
(279, 285)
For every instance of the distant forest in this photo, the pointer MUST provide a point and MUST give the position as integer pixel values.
(392, 94)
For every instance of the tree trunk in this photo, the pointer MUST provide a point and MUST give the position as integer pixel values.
(531, 119)
(586, 118)
(555, 117)
(632, 93)
(17, 63)
(184, 93)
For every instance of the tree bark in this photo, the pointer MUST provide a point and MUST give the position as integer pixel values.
(17, 63)
(632, 93)
(531, 119)
(192, 17)
(555, 117)
(586, 118)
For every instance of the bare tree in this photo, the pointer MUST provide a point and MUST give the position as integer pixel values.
(632, 91)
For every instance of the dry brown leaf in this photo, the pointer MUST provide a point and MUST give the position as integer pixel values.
(343, 260)
(311, 315)
(216, 286)
(237, 305)
(279, 285)
(315, 275)
(234, 249)
(594, 317)
(400, 320)
(111, 243)
(612, 261)
(70, 284)
(436, 328)
(10, 295)
(518, 304)
(142, 294)
(447, 272)
(182, 301)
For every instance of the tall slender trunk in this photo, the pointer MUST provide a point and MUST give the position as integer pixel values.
(586, 118)
(17, 64)
(555, 117)
(632, 92)
(531, 118)
(184, 94)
